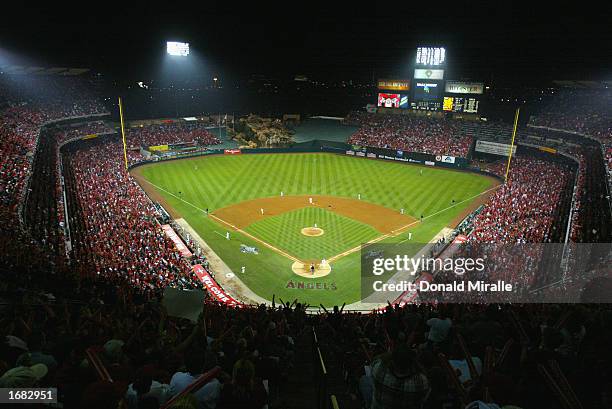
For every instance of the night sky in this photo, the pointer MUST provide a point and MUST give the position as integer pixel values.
(489, 41)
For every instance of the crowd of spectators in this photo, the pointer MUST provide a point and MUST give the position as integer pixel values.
(80, 130)
(115, 231)
(115, 228)
(586, 111)
(26, 104)
(415, 356)
(19, 128)
(44, 210)
(55, 97)
(591, 210)
(523, 210)
(29, 154)
(472, 356)
(170, 133)
(435, 136)
(105, 346)
(430, 356)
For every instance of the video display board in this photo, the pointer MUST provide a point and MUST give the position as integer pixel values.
(426, 91)
(431, 56)
(388, 100)
(427, 96)
(460, 104)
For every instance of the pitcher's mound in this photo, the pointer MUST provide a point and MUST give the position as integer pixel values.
(303, 269)
(312, 231)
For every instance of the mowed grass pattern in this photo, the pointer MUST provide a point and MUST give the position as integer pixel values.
(217, 181)
(340, 233)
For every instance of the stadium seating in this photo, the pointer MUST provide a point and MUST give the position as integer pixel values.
(410, 133)
(95, 326)
(584, 111)
(169, 134)
(525, 208)
(114, 226)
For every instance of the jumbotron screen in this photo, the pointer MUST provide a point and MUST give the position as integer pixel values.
(431, 56)
(388, 100)
(426, 91)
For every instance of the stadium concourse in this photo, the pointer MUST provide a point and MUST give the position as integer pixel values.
(88, 317)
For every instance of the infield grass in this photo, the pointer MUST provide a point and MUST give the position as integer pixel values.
(340, 233)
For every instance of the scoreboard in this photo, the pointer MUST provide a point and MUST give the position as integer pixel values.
(428, 89)
(468, 105)
(428, 79)
(426, 96)
(462, 96)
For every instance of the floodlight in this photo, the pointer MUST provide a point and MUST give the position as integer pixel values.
(177, 48)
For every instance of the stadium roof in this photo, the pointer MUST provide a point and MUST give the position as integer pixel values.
(24, 70)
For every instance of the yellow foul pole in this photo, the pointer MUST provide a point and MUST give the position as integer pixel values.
(123, 134)
(516, 117)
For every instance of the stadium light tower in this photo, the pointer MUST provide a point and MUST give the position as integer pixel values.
(177, 49)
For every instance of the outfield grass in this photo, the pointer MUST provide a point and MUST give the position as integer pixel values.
(340, 233)
(213, 182)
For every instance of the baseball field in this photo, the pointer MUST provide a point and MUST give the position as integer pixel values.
(308, 214)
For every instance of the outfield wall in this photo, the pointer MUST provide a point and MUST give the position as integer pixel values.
(418, 158)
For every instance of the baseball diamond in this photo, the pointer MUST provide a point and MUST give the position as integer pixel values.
(331, 205)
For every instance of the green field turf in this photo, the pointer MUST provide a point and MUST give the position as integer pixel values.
(213, 182)
(341, 233)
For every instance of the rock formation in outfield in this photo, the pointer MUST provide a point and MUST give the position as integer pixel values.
(254, 131)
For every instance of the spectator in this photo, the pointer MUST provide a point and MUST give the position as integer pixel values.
(244, 390)
(397, 380)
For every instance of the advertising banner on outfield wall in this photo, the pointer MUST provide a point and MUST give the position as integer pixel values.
(458, 87)
(213, 288)
(428, 74)
(411, 157)
(445, 159)
(232, 152)
(159, 148)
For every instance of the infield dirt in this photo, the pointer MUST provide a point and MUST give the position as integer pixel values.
(383, 219)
